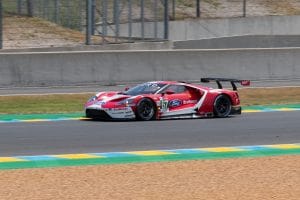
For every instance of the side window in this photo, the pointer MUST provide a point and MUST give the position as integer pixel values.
(177, 89)
(195, 92)
(181, 89)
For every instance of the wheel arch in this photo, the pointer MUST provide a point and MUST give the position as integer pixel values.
(154, 103)
(227, 95)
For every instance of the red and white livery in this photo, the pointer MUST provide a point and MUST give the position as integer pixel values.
(166, 100)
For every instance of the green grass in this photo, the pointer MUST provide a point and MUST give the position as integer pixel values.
(67, 103)
(42, 103)
(269, 96)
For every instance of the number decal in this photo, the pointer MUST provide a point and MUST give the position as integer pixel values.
(164, 105)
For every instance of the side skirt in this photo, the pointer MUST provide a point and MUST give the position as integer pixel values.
(187, 116)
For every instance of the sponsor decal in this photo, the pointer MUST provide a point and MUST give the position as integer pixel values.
(131, 116)
(190, 101)
(117, 112)
(175, 103)
(119, 109)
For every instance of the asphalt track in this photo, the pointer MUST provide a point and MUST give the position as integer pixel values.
(97, 136)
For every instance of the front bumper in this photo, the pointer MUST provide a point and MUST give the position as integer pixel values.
(97, 114)
(109, 113)
(236, 110)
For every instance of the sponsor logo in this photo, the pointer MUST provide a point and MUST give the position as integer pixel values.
(129, 116)
(189, 101)
(118, 109)
(175, 103)
(117, 112)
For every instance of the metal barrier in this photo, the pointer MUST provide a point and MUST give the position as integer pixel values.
(111, 17)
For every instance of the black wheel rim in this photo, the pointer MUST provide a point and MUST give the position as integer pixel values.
(222, 106)
(146, 109)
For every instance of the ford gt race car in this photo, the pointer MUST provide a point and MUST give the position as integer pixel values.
(166, 100)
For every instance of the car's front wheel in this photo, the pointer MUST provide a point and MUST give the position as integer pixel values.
(222, 106)
(145, 110)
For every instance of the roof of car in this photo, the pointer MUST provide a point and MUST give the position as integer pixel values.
(181, 82)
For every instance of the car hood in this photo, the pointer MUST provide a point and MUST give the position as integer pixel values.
(106, 97)
(111, 96)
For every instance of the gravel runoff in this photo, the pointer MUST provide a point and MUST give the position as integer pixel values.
(276, 178)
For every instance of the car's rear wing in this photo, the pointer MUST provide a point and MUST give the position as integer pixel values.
(232, 81)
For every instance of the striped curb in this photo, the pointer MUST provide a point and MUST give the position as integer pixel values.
(12, 118)
(43, 120)
(271, 108)
(43, 161)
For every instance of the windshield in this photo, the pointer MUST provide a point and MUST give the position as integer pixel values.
(145, 88)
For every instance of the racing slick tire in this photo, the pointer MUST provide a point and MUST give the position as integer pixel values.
(222, 106)
(145, 110)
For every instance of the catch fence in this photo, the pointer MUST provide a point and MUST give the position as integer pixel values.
(46, 23)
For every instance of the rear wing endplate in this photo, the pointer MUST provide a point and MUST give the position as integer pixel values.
(232, 81)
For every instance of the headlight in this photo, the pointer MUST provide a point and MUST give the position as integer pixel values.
(126, 102)
(93, 98)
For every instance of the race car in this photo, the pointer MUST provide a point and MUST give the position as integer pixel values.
(166, 100)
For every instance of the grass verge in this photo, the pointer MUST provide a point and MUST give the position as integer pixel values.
(66, 103)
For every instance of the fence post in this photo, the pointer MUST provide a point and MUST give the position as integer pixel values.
(129, 19)
(173, 10)
(1, 25)
(142, 20)
(155, 19)
(56, 11)
(93, 16)
(19, 7)
(43, 4)
(88, 22)
(29, 8)
(116, 19)
(166, 19)
(68, 6)
(198, 8)
(104, 20)
(244, 8)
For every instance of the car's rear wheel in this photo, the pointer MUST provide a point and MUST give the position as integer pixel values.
(222, 106)
(145, 110)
